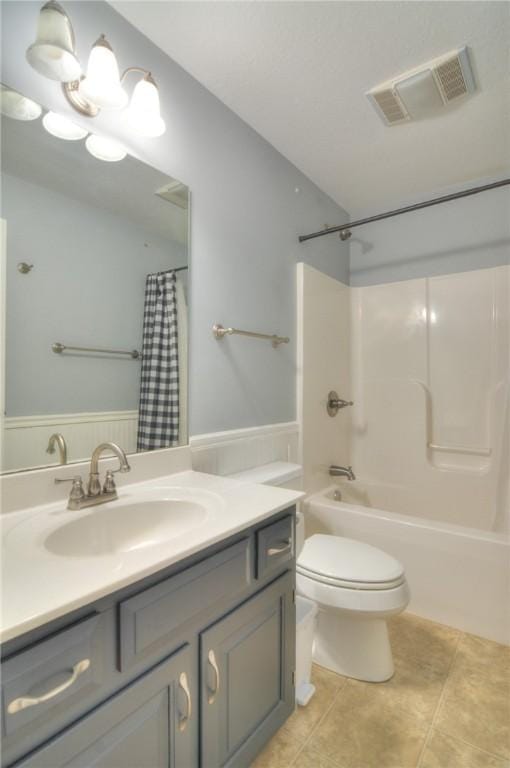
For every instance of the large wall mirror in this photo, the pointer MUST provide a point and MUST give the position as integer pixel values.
(96, 262)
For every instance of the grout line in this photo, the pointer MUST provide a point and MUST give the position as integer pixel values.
(319, 722)
(473, 746)
(440, 700)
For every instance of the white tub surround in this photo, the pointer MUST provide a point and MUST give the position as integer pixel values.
(457, 576)
(39, 586)
(324, 364)
(431, 386)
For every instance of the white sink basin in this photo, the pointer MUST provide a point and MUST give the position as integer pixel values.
(120, 527)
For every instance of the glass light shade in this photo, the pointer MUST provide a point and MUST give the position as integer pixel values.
(17, 106)
(62, 127)
(105, 149)
(143, 113)
(102, 85)
(52, 54)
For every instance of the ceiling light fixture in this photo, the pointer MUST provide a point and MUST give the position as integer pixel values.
(17, 106)
(143, 113)
(62, 127)
(105, 149)
(101, 85)
(53, 55)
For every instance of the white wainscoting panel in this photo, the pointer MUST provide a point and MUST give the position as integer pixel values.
(26, 438)
(225, 453)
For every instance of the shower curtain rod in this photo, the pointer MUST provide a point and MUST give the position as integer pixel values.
(407, 209)
(171, 269)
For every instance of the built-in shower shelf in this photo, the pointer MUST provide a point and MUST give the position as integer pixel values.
(460, 449)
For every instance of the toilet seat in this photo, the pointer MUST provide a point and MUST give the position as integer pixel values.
(340, 583)
(348, 564)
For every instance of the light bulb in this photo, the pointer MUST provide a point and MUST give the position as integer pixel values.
(52, 54)
(143, 113)
(102, 85)
(62, 127)
(17, 106)
(105, 149)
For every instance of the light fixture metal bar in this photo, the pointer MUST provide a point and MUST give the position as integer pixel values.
(406, 209)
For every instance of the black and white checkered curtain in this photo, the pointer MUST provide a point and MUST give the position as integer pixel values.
(158, 419)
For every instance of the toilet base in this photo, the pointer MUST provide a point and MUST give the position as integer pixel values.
(357, 647)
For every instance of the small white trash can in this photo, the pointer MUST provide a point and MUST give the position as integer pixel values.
(306, 618)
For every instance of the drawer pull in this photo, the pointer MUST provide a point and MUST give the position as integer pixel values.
(283, 546)
(27, 701)
(183, 719)
(213, 691)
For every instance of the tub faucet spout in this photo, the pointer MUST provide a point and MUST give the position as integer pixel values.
(347, 472)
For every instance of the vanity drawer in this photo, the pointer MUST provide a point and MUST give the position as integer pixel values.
(153, 620)
(275, 546)
(53, 675)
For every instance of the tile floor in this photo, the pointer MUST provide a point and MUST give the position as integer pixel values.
(447, 706)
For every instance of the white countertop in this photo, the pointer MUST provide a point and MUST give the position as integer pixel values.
(38, 586)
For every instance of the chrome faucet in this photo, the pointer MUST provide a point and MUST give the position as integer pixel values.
(78, 499)
(347, 472)
(58, 439)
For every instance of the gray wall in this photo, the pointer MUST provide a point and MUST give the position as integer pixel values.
(459, 236)
(86, 288)
(246, 216)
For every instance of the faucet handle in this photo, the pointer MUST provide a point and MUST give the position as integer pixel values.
(109, 482)
(77, 491)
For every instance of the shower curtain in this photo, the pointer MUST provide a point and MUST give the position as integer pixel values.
(158, 419)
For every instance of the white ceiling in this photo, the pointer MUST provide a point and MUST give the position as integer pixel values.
(297, 73)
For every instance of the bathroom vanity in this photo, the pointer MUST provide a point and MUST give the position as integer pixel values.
(192, 665)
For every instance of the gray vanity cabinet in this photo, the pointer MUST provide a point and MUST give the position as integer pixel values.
(192, 667)
(247, 663)
(149, 724)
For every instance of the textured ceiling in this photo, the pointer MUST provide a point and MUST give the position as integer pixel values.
(297, 73)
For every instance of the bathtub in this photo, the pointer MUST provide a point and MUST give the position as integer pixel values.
(458, 576)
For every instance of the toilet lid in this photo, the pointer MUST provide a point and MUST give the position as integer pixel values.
(347, 560)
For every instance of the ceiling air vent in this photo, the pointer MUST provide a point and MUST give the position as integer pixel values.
(390, 105)
(424, 91)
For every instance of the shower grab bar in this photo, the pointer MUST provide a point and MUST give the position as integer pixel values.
(58, 348)
(219, 332)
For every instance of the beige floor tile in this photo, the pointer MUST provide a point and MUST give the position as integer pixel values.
(444, 751)
(415, 689)
(279, 752)
(309, 758)
(486, 653)
(429, 643)
(362, 731)
(304, 719)
(476, 703)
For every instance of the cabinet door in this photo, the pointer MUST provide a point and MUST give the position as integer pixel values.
(151, 724)
(247, 676)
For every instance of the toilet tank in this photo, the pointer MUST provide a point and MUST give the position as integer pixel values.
(282, 474)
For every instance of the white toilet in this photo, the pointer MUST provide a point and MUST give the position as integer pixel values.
(356, 587)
